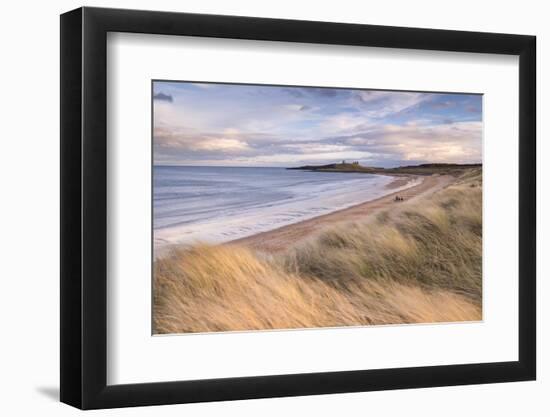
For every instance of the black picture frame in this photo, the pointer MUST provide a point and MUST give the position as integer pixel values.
(84, 207)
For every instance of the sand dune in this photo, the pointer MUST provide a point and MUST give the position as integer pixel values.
(418, 261)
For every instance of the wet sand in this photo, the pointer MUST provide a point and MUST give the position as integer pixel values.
(286, 236)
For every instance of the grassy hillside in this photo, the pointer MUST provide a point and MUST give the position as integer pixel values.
(341, 167)
(416, 264)
(423, 169)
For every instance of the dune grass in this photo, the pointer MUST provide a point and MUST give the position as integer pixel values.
(419, 263)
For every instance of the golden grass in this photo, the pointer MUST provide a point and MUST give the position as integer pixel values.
(435, 243)
(418, 264)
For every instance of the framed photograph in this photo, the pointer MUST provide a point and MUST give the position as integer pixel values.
(261, 208)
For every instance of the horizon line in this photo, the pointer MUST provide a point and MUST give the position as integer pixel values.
(328, 163)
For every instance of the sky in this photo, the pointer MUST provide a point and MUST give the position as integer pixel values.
(258, 125)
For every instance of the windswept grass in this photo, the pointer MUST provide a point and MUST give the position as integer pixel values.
(420, 263)
(435, 243)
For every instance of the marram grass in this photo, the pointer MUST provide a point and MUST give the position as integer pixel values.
(418, 263)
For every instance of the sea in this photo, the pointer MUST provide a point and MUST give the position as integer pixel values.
(218, 204)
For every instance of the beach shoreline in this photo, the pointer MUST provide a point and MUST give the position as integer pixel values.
(399, 185)
(284, 237)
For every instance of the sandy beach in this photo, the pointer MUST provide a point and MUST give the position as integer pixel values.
(283, 237)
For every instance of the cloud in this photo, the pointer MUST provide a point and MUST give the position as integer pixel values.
(325, 92)
(377, 104)
(345, 123)
(316, 147)
(163, 97)
(220, 144)
(245, 124)
(294, 92)
(457, 143)
(314, 92)
(442, 105)
(205, 86)
(296, 107)
(178, 142)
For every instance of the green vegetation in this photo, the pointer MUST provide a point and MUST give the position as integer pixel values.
(423, 169)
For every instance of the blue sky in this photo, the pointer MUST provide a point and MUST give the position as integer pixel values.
(254, 125)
